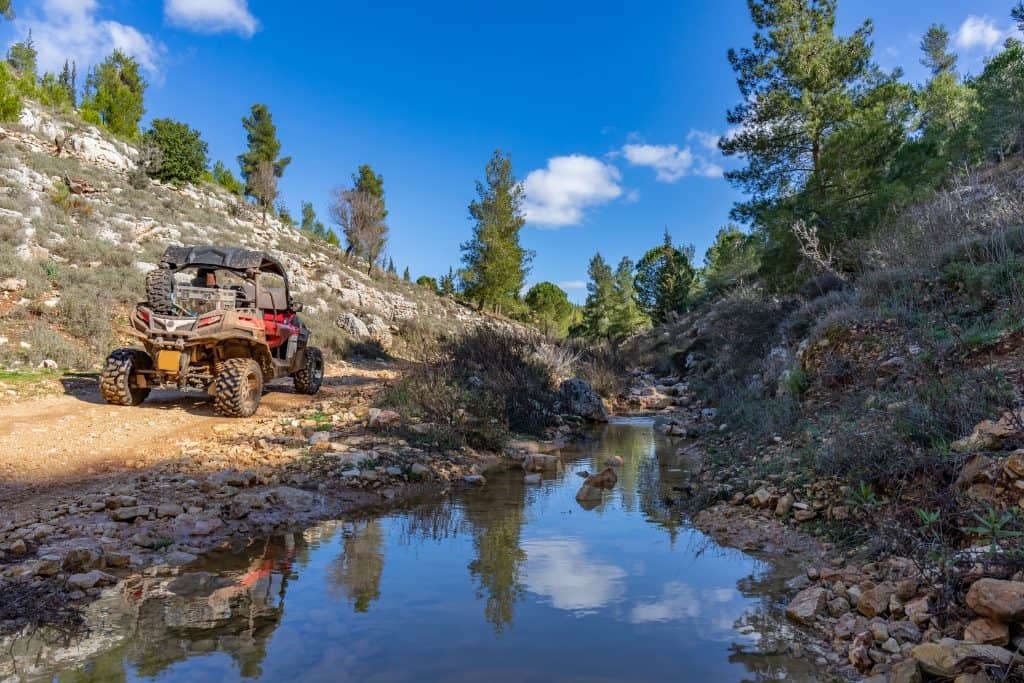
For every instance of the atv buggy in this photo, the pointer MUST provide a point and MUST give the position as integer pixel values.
(216, 319)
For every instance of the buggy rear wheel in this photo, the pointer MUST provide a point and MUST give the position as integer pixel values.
(238, 387)
(117, 384)
(308, 379)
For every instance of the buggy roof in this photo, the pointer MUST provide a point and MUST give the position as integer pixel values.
(231, 258)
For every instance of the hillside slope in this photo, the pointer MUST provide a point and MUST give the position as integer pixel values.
(71, 264)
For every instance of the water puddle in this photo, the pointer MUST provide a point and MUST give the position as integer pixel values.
(509, 582)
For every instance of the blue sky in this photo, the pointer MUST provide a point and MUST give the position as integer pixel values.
(609, 109)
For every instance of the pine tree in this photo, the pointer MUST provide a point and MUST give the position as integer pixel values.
(597, 311)
(935, 45)
(664, 276)
(447, 285)
(369, 183)
(800, 83)
(429, 283)
(391, 267)
(114, 91)
(223, 176)
(550, 308)
(22, 56)
(312, 225)
(261, 166)
(68, 80)
(406, 276)
(495, 264)
(626, 316)
(732, 257)
(1000, 89)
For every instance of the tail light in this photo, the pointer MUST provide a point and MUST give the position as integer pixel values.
(144, 314)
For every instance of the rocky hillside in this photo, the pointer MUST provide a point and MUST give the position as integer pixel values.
(80, 226)
(882, 413)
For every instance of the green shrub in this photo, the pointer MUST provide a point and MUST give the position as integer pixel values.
(183, 151)
(10, 98)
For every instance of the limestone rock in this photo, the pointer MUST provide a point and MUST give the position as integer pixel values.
(807, 604)
(875, 601)
(997, 599)
(949, 657)
(605, 479)
(577, 397)
(351, 323)
(987, 632)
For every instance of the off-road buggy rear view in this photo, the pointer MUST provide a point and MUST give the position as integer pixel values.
(217, 319)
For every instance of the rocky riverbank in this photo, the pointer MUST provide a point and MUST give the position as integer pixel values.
(863, 609)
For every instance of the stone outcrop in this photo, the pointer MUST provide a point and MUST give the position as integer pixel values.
(577, 397)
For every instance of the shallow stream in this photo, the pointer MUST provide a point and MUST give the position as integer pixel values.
(507, 582)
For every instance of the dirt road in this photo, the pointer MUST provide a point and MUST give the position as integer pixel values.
(55, 440)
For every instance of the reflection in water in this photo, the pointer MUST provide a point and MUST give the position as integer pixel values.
(625, 591)
(562, 571)
(499, 558)
(357, 570)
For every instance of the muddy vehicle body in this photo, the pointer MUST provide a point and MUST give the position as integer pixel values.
(216, 319)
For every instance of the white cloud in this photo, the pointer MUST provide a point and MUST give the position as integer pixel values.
(671, 162)
(560, 569)
(557, 195)
(212, 16)
(979, 32)
(705, 139)
(572, 284)
(71, 29)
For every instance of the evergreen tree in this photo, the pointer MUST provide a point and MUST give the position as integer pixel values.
(261, 165)
(391, 267)
(69, 81)
(22, 56)
(550, 307)
(405, 275)
(1000, 89)
(223, 176)
(369, 183)
(10, 97)
(495, 264)
(284, 214)
(626, 317)
(114, 92)
(447, 285)
(800, 83)
(733, 257)
(947, 112)
(429, 283)
(935, 45)
(312, 225)
(597, 311)
(664, 276)
(182, 150)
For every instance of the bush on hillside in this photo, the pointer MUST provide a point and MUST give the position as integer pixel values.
(480, 388)
(10, 98)
(182, 150)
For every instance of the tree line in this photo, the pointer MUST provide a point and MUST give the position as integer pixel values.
(832, 144)
(829, 144)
